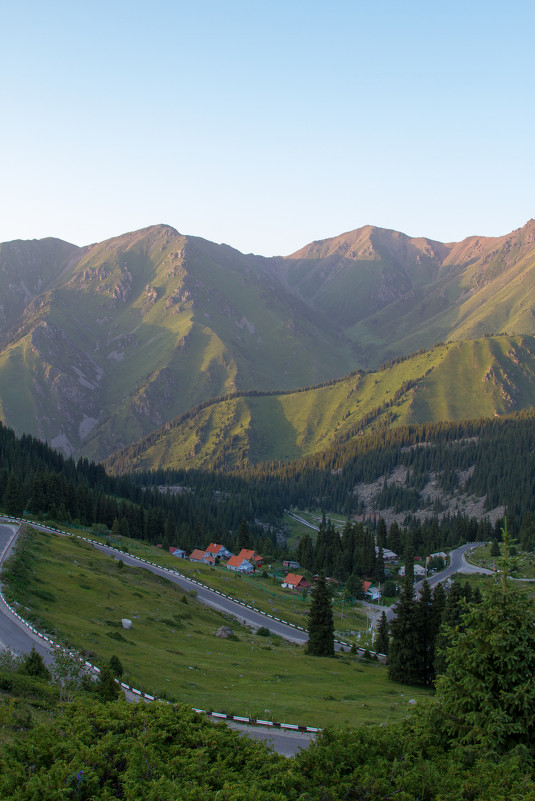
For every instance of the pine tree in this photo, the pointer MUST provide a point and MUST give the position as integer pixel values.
(13, 499)
(382, 639)
(320, 621)
(33, 665)
(403, 654)
(487, 694)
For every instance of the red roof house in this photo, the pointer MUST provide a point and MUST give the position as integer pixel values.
(239, 564)
(251, 556)
(295, 582)
(218, 550)
(201, 556)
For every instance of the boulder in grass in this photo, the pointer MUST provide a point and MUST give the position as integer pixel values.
(224, 633)
(127, 624)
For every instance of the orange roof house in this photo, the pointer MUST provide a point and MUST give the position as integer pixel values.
(295, 582)
(239, 564)
(201, 556)
(371, 592)
(218, 550)
(251, 556)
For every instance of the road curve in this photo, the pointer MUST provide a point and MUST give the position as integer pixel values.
(18, 637)
(458, 564)
(211, 598)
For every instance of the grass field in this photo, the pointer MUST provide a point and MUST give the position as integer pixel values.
(525, 561)
(263, 593)
(171, 650)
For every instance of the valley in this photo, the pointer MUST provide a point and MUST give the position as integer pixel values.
(247, 674)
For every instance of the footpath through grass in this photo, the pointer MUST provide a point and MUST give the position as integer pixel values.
(171, 650)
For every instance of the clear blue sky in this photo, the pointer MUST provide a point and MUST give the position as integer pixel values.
(266, 125)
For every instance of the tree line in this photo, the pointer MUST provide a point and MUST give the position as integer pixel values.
(495, 456)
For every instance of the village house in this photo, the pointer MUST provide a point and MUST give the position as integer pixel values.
(251, 556)
(239, 564)
(201, 556)
(177, 552)
(217, 550)
(291, 565)
(388, 555)
(295, 582)
(371, 592)
(419, 571)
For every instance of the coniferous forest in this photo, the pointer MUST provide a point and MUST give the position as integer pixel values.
(450, 748)
(186, 507)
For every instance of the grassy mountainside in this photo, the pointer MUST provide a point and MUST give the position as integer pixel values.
(465, 380)
(147, 325)
(393, 294)
(27, 270)
(101, 345)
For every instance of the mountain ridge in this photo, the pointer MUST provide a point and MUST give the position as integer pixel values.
(490, 377)
(99, 345)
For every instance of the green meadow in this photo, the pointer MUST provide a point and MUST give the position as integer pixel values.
(262, 592)
(80, 596)
(524, 561)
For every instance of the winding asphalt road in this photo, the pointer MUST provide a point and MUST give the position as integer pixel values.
(15, 635)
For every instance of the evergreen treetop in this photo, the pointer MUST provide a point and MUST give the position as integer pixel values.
(320, 620)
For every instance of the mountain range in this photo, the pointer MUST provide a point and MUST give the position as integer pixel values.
(102, 345)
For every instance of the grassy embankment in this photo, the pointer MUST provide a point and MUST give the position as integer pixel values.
(172, 650)
(525, 562)
(264, 594)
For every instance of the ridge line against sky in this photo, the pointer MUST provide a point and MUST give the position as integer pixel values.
(266, 125)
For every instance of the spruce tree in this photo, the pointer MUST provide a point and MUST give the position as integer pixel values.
(381, 533)
(33, 665)
(382, 639)
(404, 651)
(244, 538)
(451, 618)
(425, 625)
(320, 621)
(379, 572)
(495, 548)
(115, 666)
(408, 556)
(13, 498)
(487, 693)
(106, 687)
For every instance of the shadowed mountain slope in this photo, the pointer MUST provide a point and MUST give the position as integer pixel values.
(466, 380)
(101, 345)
